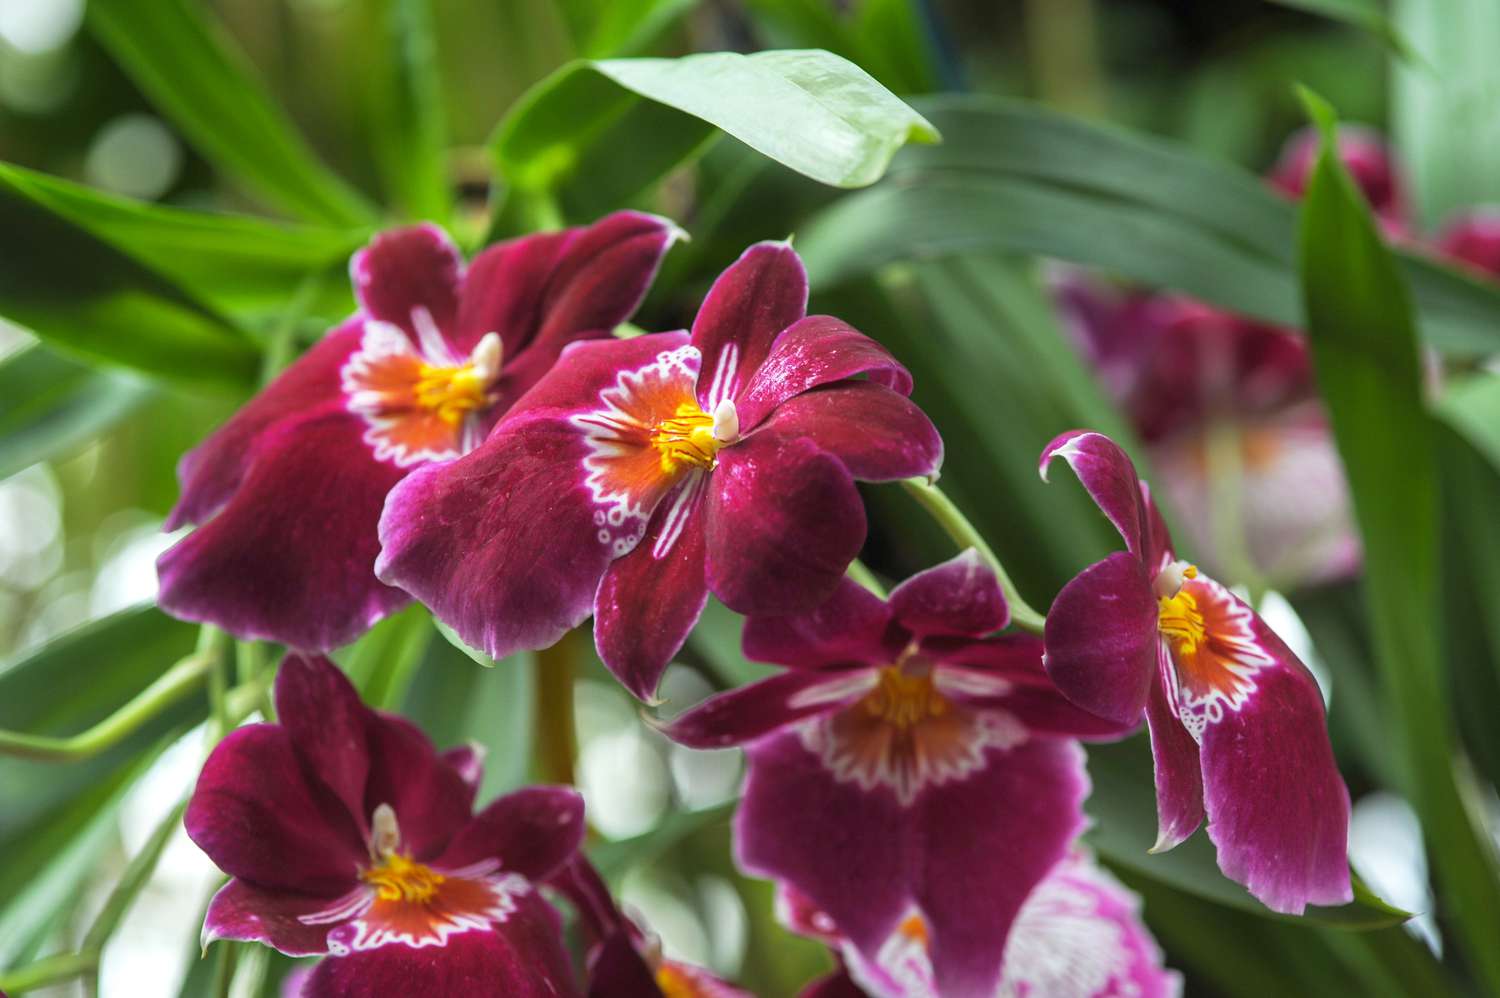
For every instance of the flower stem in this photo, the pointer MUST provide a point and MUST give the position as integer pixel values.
(957, 526)
(556, 739)
(173, 685)
(860, 572)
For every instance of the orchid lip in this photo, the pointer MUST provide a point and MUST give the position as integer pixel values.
(1169, 580)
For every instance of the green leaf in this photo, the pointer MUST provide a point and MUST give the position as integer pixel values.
(48, 861)
(1445, 108)
(1369, 368)
(234, 263)
(403, 107)
(1365, 14)
(1123, 805)
(87, 298)
(75, 681)
(886, 38)
(195, 76)
(50, 405)
(624, 27)
(1472, 407)
(1014, 177)
(383, 662)
(595, 134)
(614, 858)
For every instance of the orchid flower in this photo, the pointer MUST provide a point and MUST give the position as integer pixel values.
(1472, 238)
(1237, 722)
(624, 960)
(1367, 157)
(642, 474)
(906, 763)
(288, 492)
(1078, 935)
(346, 833)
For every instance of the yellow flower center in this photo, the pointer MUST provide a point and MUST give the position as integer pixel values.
(686, 439)
(452, 392)
(904, 701)
(675, 984)
(398, 878)
(1179, 618)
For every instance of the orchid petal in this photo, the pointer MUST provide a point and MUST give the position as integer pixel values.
(748, 712)
(649, 600)
(533, 832)
(523, 957)
(851, 626)
(242, 911)
(1179, 776)
(290, 558)
(406, 273)
(257, 816)
(1109, 476)
(784, 521)
(961, 596)
(328, 724)
(816, 351)
(432, 801)
(761, 294)
(1101, 638)
(880, 436)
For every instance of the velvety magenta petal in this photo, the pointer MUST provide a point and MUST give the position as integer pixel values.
(468, 761)
(533, 832)
(257, 816)
(1159, 549)
(500, 544)
(210, 472)
(328, 724)
(1108, 474)
(591, 368)
(1079, 935)
(1179, 776)
(542, 292)
(1473, 238)
(836, 985)
(291, 558)
(879, 435)
(1030, 798)
(404, 270)
(784, 521)
(960, 596)
(815, 351)
(522, 958)
(749, 712)
(761, 294)
(851, 626)
(650, 599)
(1278, 811)
(431, 799)
(252, 914)
(848, 851)
(1101, 639)
(617, 970)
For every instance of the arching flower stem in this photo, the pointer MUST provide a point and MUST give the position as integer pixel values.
(957, 526)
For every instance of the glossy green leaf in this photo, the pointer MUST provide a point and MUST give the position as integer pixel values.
(1013, 177)
(596, 133)
(403, 108)
(87, 298)
(383, 662)
(50, 405)
(1369, 368)
(196, 77)
(49, 861)
(235, 263)
(1366, 14)
(73, 682)
(1445, 107)
(1472, 407)
(886, 38)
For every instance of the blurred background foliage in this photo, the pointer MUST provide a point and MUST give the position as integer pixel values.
(1121, 134)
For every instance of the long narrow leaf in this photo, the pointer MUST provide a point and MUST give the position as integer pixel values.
(1014, 177)
(1364, 343)
(49, 405)
(195, 76)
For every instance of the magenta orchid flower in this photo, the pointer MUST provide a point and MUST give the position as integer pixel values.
(898, 750)
(643, 474)
(624, 960)
(346, 833)
(1078, 935)
(288, 492)
(1473, 239)
(1365, 155)
(1237, 722)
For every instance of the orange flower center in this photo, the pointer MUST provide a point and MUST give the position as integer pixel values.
(398, 878)
(451, 393)
(686, 439)
(904, 700)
